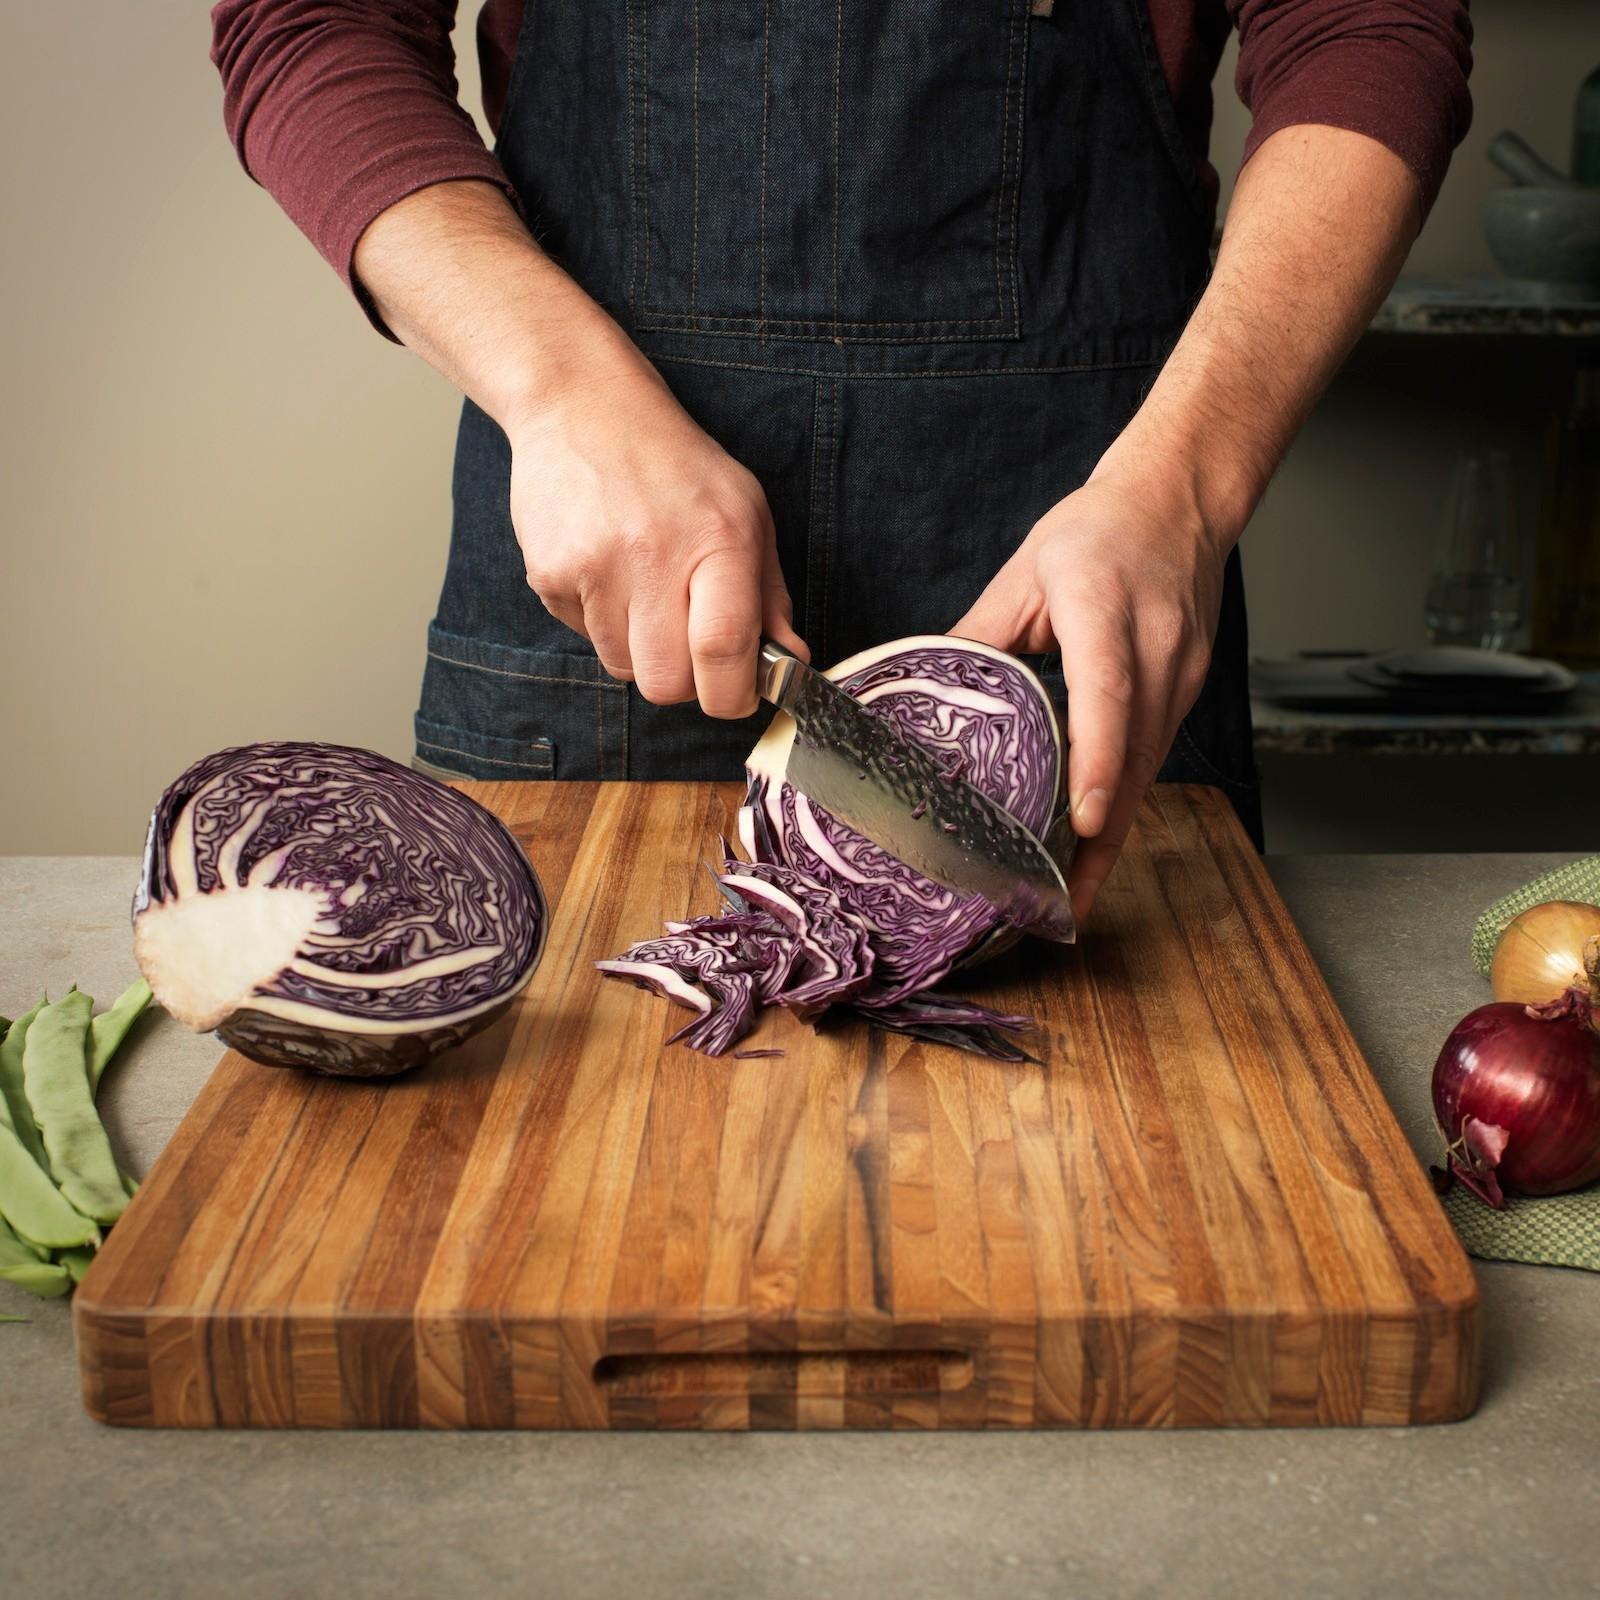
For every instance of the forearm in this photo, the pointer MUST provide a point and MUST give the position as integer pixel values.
(457, 277)
(1318, 228)
(637, 529)
(340, 108)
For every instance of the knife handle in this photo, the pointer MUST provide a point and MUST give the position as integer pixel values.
(775, 673)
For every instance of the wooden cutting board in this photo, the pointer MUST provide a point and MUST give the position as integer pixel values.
(1195, 1208)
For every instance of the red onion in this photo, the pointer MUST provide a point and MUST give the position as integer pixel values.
(1516, 1090)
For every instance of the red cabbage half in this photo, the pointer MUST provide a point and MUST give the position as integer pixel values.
(325, 907)
(822, 918)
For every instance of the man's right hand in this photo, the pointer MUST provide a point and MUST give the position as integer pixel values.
(643, 534)
(637, 529)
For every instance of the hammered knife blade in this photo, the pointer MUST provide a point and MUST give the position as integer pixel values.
(896, 793)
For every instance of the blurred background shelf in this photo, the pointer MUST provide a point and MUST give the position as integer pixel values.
(1572, 729)
(1385, 781)
(1483, 307)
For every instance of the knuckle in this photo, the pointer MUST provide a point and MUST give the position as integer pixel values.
(1089, 587)
(544, 578)
(613, 654)
(1059, 572)
(1144, 762)
(640, 543)
(664, 686)
(1193, 677)
(720, 640)
(722, 529)
(727, 710)
(1112, 679)
(1167, 623)
(662, 671)
(567, 611)
(588, 588)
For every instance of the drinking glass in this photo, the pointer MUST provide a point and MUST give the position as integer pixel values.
(1475, 593)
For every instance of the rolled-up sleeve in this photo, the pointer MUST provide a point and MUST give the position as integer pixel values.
(1395, 70)
(339, 108)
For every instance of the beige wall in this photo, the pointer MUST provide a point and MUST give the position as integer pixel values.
(223, 502)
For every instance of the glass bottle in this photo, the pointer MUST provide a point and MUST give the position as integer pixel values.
(1567, 610)
(1586, 131)
(1475, 594)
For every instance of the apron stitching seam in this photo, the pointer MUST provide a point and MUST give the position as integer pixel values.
(833, 468)
(1019, 31)
(966, 372)
(838, 70)
(694, 226)
(648, 321)
(1005, 167)
(529, 677)
(814, 622)
(667, 314)
(499, 761)
(633, 170)
(600, 732)
(905, 333)
(644, 137)
(761, 225)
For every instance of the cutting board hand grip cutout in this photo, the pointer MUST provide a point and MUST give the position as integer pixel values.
(816, 1373)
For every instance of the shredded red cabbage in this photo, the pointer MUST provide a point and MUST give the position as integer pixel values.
(821, 920)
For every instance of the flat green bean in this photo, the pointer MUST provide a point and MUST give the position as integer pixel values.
(38, 1277)
(76, 1262)
(33, 1205)
(110, 1028)
(15, 1251)
(14, 1112)
(55, 1075)
(19, 1265)
(40, 1251)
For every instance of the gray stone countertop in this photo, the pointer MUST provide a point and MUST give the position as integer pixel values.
(1286, 730)
(1505, 1504)
(1365, 722)
(1486, 306)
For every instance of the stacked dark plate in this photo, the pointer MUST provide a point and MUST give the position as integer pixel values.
(1441, 678)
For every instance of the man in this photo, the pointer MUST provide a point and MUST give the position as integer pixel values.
(848, 321)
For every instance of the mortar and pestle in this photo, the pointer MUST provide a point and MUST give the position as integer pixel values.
(1544, 230)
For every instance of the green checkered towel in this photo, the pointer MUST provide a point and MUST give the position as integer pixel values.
(1578, 880)
(1560, 1230)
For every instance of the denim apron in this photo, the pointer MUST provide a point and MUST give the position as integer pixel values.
(913, 262)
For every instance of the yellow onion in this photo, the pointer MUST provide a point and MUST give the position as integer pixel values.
(1540, 954)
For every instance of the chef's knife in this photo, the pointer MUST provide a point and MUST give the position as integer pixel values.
(896, 793)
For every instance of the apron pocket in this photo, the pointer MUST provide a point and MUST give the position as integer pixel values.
(838, 172)
(492, 710)
(446, 752)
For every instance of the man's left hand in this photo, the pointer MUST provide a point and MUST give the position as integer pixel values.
(1126, 583)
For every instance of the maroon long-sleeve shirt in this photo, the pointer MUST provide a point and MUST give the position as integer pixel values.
(342, 107)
